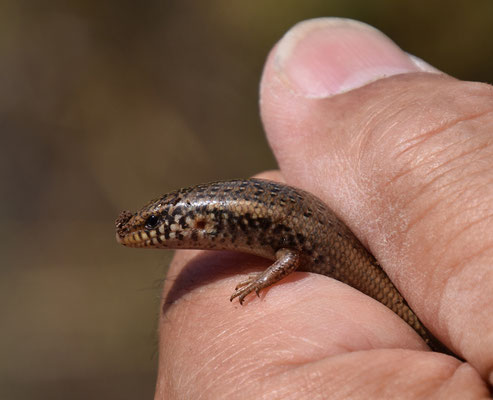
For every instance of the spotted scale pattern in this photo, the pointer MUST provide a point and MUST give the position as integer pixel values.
(264, 218)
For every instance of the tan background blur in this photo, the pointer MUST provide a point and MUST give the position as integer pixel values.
(105, 105)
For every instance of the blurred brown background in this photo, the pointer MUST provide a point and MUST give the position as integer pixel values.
(105, 105)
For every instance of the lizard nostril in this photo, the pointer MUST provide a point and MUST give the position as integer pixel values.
(121, 221)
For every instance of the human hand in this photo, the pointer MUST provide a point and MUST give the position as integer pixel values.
(403, 155)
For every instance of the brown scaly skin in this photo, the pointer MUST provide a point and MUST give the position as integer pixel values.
(271, 220)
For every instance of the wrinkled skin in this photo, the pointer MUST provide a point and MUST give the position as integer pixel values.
(404, 156)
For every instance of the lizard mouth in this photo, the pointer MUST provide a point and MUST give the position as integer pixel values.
(126, 232)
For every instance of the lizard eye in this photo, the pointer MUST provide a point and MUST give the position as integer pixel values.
(152, 221)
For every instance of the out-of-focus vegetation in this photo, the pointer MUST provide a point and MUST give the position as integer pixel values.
(104, 105)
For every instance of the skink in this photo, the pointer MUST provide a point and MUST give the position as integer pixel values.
(292, 227)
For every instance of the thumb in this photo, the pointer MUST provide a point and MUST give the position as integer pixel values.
(405, 161)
